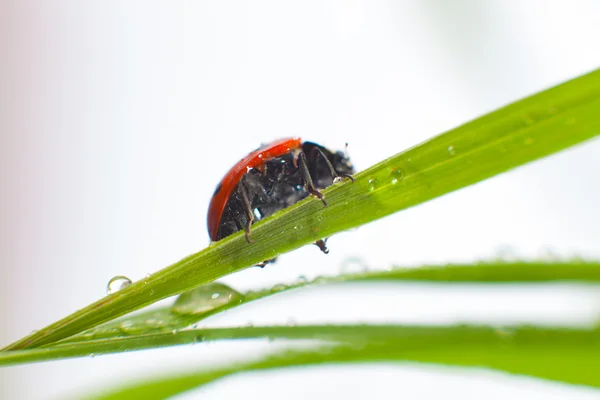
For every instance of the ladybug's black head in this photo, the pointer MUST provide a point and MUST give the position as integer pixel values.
(318, 167)
(342, 164)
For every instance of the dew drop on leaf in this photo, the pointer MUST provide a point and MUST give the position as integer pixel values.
(373, 184)
(278, 288)
(117, 283)
(397, 175)
(206, 298)
(354, 265)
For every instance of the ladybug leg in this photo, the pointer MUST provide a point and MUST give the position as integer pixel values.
(266, 262)
(308, 183)
(336, 177)
(247, 209)
(321, 244)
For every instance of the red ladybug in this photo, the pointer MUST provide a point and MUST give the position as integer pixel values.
(272, 178)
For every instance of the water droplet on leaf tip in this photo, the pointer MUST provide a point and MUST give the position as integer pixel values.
(117, 283)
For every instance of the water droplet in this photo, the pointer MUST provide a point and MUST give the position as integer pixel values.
(373, 184)
(528, 119)
(547, 254)
(506, 332)
(291, 322)
(92, 355)
(206, 298)
(155, 323)
(126, 327)
(507, 253)
(451, 150)
(301, 280)
(397, 175)
(528, 141)
(577, 258)
(279, 287)
(354, 265)
(117, 283)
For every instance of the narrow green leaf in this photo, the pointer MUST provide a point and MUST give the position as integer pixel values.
(166, 320)
(524, 131)
(565, 355)
(162, 327)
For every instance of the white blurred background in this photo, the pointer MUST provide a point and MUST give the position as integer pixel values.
(118, 118)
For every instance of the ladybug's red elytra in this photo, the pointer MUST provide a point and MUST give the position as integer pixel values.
(272, 178)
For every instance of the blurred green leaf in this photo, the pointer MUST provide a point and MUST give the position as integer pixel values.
(162, 327)
(565, 355)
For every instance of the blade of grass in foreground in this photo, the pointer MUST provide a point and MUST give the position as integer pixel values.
(162, 327)
(524, 131)
(571, 356)
(201, 303)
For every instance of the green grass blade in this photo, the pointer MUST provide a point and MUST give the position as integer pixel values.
(410, 338)
(161, 327)
(164, 320)
(566, 355)
(524, 131)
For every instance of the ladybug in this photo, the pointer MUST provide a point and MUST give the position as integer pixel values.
(271, 178)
